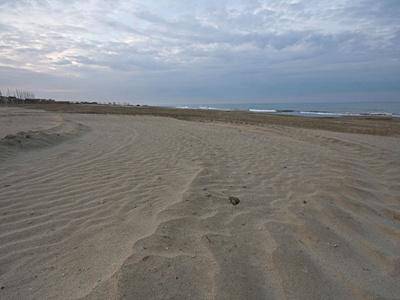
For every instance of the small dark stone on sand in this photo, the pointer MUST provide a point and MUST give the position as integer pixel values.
(3, 287)
(234, 200)
(305, 202)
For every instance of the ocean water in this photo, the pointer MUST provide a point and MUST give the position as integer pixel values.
(311, 109)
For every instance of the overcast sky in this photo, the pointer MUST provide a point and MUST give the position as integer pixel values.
(204, 51)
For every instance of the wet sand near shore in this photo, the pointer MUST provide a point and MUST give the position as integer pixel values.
(374, 125)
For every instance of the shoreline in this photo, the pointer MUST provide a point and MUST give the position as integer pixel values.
(374, 125)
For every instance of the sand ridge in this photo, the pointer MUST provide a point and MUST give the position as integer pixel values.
(137, 207)
(30, 129)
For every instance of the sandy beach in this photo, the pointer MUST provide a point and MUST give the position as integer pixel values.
(120, 206)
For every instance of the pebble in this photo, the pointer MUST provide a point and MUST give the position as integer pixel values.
(234, 200)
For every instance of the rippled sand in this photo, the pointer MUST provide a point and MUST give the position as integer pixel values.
(137, 207)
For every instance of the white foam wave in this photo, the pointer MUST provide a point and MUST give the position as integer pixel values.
(263, 110)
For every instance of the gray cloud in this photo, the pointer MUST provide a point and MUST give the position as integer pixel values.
(170, 51)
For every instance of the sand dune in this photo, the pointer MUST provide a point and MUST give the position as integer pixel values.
(137, 207)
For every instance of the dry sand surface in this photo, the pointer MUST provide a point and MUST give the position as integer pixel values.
(137, 207)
